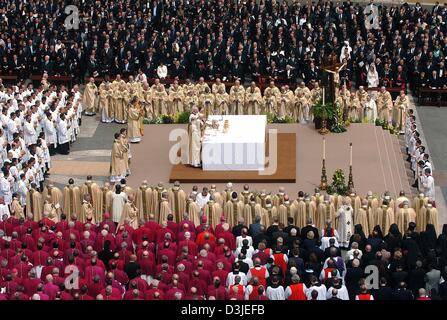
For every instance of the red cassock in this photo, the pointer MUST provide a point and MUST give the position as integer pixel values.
(169, 254)
(62, 226)
(72, 231)
(21, 231)
(50, 289)
(207, 264)
(6, 227)
(172, 226)
(192, 247)
(30, 285)
(110, 224)
(147, 266)
(22, 269)
(149, 294)
(160, 235)
(170, 294)
(190, 224)
(218, 293)
(141, 232)
(181, 236)
(221, 274)
(199, 284)
(120, 276)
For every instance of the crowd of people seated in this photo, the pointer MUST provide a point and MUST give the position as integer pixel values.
(282, 40)
(88, 242)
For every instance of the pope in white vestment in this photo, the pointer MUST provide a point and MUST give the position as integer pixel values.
(345, 229)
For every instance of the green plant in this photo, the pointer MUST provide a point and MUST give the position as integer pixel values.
(166, 119)
(323, 111)
(379, 122)
(285, 119)
(338, 125)
(338, 185)
(182, 117)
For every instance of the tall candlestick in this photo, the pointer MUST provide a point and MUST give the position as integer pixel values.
(324, 149)
(350, 154)
(323, 95)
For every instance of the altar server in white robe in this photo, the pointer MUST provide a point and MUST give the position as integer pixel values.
(49, 129)
(195, 137)
(428, 184)
(63, 137)
(22, 189)
(5, 187)
(29, 131)
(344, 216)
(370, 110)
(119, 199)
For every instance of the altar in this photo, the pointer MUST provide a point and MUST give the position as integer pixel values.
(234, 143)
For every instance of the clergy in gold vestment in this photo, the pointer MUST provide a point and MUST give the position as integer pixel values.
(117, 87)
(385, 105)
(420, 202)
(165, 208)
(135, 114)
(401, 216)
(325, 212)
(55, 194)
(253, 99)
(373, 205)
(362, 218)
(105, 102)
(401, 105)
(286, 210)
(193, 210)
(124, 141)
(89, 98)
(143, 200)
(107, 198)
(201, 87)
(177, 201)
(159, 101)
(233, 209)
(213, 211)
(355, 109)
(17, 208)
(130, 214)
(119, 97)
(88, 213)
(221, 103)
(146, 98)
(300, 112)
(156, 200)
(387, 217)
(117, 162)
(34, 203)
(50, 211)
(252, 210)
(175, 98)
(72, 199)
(93, 190)
(218, 86)
(237, 99)
(207, 102)
(270, 103)
(300, 214)
(218, 198)
(432, 216)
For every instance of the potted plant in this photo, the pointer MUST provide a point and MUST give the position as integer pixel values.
(323, 111)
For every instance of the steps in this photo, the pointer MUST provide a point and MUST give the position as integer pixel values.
(392, 163)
